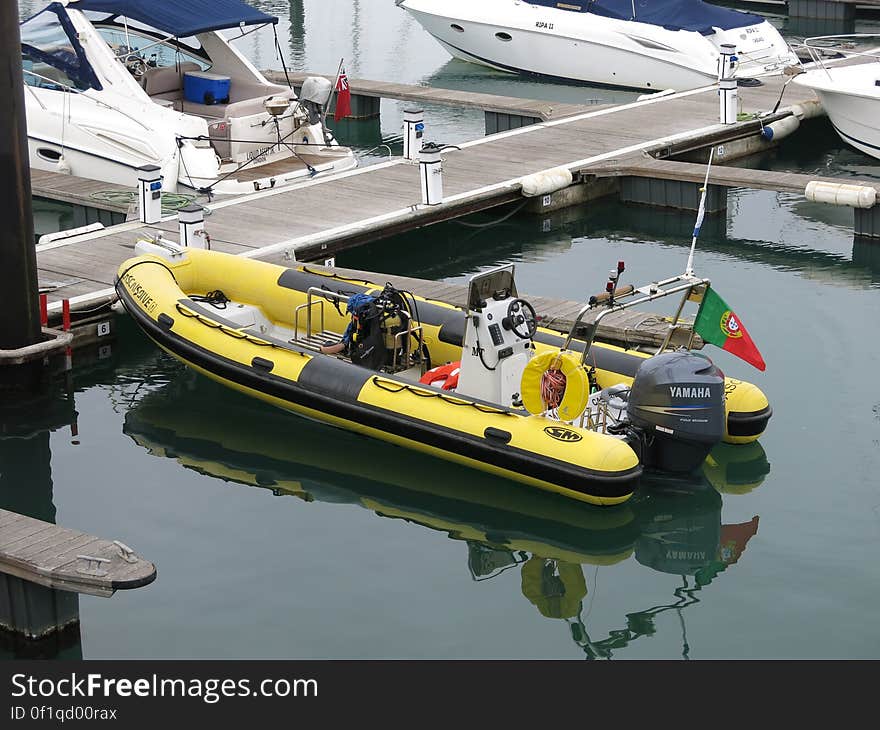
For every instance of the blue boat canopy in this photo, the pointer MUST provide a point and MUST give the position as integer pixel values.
(693, 15)
(181, 19)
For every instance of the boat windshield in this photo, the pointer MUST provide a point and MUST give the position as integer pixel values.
(52, 56)
(693, 15)
(131, 42)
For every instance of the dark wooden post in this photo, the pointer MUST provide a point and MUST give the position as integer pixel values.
(19, 315)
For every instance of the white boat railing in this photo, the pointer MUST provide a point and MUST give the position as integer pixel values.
(817, 46)
(685, 283)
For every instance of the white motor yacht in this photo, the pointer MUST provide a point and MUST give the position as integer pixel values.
(632, 44)
(849, 94)
(115, 85)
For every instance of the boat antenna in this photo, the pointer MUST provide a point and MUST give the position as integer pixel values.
(689, 271)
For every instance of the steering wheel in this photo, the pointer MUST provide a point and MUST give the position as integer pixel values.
(133, 60)
(519, 313)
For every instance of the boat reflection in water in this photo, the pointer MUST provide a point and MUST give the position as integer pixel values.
(680, 534)
(671, 527)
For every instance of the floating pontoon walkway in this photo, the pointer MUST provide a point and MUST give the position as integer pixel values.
(68, 560)
(314, 219)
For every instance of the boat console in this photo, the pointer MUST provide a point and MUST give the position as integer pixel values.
(498, 338)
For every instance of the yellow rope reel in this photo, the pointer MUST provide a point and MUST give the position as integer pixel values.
(555, 380)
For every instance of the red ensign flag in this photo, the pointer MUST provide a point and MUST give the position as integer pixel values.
(343, 97)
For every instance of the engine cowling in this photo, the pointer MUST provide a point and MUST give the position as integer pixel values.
(677, 400)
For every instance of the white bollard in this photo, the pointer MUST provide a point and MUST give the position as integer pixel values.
(431, 171)
(727, 84)
(413, 133)
(191, 223)
(150, 193)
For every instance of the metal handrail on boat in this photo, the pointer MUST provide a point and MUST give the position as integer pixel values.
(325, 295)
(652, 292)
(406, 348)
(813, 48)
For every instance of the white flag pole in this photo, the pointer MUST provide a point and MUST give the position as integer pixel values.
(333, 89)
(689, 271)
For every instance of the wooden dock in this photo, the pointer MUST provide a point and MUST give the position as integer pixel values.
(69, 560)
(85, 192)
(316, 218)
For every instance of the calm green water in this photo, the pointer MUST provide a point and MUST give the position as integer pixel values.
(277, 537)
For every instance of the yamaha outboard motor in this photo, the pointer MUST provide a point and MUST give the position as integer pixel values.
(677, 401)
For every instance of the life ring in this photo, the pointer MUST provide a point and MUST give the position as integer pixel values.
(448, 374)
(576, 384)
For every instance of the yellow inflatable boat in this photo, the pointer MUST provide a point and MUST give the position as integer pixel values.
(261, 328)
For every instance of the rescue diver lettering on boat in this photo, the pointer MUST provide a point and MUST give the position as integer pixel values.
(563, 434)
(683, 391)
(139, 293)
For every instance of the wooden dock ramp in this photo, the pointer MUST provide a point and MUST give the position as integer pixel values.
(68, 560)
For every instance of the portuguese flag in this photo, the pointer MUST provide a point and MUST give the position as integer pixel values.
(716, 323)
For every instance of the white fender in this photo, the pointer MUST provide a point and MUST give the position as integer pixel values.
(781, 128)
(808, 109)
(546, 181)
(855, 196)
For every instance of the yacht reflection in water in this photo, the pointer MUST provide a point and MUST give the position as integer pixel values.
(673, 527)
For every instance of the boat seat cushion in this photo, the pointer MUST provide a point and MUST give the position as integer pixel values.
(245, 100)
(166, 79)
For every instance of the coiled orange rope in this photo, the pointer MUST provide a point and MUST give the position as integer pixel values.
(552, 388)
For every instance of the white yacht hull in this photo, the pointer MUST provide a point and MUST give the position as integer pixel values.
(87, 139)
(514, 36)
(851, 100)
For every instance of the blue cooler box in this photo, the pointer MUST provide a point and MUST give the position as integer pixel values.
(201, 87)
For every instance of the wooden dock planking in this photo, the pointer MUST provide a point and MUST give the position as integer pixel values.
(49, 555)
(325, 214)
(53, 539)
(79, 190)
(8, 518)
